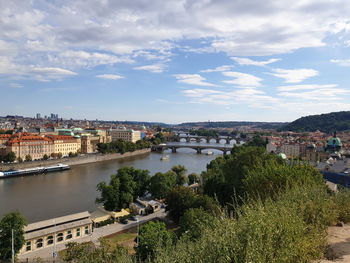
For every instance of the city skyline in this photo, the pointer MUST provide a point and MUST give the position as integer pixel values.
(174, 61)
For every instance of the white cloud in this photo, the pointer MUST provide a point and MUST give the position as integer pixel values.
(242, 79)
(155, 68)
(306, 87)
(341, 62)
(16, 85)
(294, 75)
(52, 71)
(81, 58)
(193, 79)
(218, 69)
(109, 76)
(247, 61)
(324, 94)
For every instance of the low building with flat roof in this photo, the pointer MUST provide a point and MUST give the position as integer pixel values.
(58, 230)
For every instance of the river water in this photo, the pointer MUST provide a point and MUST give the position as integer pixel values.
(56, 194)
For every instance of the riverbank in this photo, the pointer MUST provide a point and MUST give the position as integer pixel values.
(71, 161)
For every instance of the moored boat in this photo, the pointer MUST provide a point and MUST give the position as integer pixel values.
(34, 170)
(164, 157)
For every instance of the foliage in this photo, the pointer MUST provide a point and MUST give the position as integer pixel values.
(28, 158)
(193, 178)
(181, 198)
(342, 200)
(6, 131)
(257, 141)
(59, 155)
(180, 171)
(87, 253)
(224, 176)
(274, 177)
(162, 183)
(203, 132)
(121, 146)
(11, 157)
(19, 159)
(339, 121)
(194, 221)
(123, 188)
(8, 222)
(153, 236)
(45, 157)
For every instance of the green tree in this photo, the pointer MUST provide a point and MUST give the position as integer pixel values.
(194, 221)
(45, 157)
(162, 183)
(28, 158)
(87, 253)
(181, 198)
(153, 236)
(11, 221)
(11, 157)
(193, 178)
(110, 194)
(19, 159)
(59, 155)
(180, 171)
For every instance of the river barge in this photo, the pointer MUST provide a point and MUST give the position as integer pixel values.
(34, 170)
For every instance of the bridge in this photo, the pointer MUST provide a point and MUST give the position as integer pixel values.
(173, 147)
(198, 139)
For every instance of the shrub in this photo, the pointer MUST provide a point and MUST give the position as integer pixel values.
(342, 200)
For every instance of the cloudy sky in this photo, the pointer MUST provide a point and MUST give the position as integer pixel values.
(175, 60)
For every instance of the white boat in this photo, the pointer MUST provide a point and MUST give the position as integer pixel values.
(35, 170)
(164, 157)
(209, 153)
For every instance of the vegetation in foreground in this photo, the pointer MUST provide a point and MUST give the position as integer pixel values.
(254, 207)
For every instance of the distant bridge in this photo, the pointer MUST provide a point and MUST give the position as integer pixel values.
(198, 139)
(173, 147)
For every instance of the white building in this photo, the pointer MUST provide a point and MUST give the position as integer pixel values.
(125, 135)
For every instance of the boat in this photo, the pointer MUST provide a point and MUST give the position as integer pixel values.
(209, 153)
(164, 157)
(34, 170)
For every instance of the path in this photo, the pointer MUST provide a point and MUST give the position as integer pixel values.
(46, 253)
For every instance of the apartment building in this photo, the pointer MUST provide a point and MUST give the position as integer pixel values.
(23, 144)
(125, 135)
(65, 144)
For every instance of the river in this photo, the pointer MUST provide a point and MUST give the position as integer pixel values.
(56, 194)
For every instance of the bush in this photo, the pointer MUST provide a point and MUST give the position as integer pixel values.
(342, 200)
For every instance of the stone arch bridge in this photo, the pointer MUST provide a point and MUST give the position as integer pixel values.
(173, 147)
(198, 139)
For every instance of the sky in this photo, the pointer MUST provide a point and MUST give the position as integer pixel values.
(174, 61)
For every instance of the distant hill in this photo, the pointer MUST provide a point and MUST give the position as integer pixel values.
(232, 124)
(334, 121)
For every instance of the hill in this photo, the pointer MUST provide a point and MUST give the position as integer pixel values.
(231, 124)
(334, 121)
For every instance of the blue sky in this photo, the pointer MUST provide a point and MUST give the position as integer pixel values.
(175, 61)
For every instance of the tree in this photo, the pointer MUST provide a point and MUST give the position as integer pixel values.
(224, 176)
(194, 221)
(45, 157)
(180, 171)
(162, 183)
(59, 155)
(11, 157)
(28, 158)
(182, 198)
(123, 188)
(11, 221)
(153, 236)
(193, 178)
(19, 159)
(88, 253)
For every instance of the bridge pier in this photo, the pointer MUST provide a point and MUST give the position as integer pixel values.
(228, 140)
(199, 150)
(188, 139)
(198, 140)
(208, 139)
(173, 149)
(217, 140)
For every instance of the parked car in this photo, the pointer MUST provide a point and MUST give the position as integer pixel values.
(133, 218)
(124, 221)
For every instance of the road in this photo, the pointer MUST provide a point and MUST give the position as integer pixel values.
(46, 253)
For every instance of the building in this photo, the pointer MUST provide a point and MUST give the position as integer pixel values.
(89, 143)
(125, 135)
(334, 144)
(23, 144)
(65, 144)
(56, 231)
(290, 149)
(145, 207)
